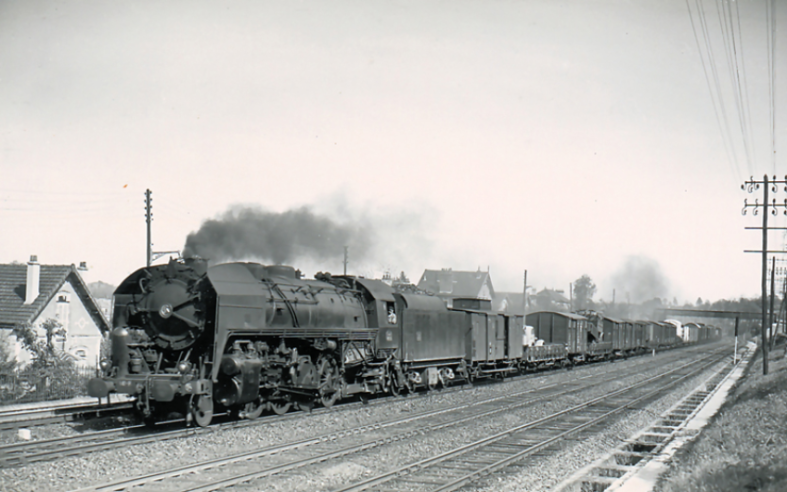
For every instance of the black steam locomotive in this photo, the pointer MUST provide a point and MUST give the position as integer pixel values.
(244, 338)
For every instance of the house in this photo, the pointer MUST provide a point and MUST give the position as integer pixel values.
(551, 300)
(449, 284)
(510, 302)
(34, 293)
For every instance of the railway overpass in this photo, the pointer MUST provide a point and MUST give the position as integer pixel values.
(665, 313)
(668, 313)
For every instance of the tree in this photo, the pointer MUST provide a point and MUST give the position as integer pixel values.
(50, 368)
(584, 289)
(7, 359)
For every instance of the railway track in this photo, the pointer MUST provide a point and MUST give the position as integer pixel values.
(252, 466)
(57, 414)
(22, 453)
(456, 468)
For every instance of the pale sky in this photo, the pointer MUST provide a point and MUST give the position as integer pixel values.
(561, 137)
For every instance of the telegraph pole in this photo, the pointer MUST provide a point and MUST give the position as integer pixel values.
(524, 298)
(773, 287)
(768, 185)
(149, 219)
(735, 353)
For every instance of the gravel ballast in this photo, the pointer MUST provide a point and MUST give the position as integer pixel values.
(73, 473)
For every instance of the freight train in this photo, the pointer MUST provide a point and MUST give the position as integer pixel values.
(244, 338)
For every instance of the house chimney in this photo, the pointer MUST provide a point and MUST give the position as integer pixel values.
(33, 279)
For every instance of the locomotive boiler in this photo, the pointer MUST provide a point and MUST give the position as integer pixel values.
(242, 337)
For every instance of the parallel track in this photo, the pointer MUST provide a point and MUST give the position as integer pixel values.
(250, 466)
(51, 449)
(58, 414)
(459, 467)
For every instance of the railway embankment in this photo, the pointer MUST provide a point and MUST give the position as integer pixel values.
(745, 444)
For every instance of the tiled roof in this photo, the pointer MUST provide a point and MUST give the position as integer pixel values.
(455, 283)
(553, 296)
(13, 280)
(513, 302)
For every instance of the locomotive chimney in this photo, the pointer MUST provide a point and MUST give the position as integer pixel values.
(33, 278)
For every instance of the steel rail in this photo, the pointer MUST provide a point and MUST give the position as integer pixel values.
(141, 480)
(407, 471)
(55, 414)
(125, 484)
(18, 454)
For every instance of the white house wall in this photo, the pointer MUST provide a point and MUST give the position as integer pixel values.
(83, 338)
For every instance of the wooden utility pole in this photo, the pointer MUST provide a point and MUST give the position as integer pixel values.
(767, 185)
(345, 260)
(149, 219)
(524, 297)
(735, 354)
(571, 297)
(773, 286)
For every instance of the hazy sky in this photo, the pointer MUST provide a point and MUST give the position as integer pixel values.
(561, 137)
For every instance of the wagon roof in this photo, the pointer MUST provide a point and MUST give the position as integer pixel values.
(565, 315)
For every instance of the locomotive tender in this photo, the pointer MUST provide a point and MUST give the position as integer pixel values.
(244, 338)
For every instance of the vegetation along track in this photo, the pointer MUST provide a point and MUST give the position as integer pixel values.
(250, 466)
(57, 448)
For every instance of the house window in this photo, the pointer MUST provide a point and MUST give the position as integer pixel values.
(82, 354)
(62, 297)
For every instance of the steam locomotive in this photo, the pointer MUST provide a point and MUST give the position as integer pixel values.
(244, 338)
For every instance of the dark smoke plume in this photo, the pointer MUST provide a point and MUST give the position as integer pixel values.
(641, 279)
(243, 233)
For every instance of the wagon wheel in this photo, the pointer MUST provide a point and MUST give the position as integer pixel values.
(393, 384)
(201, 408)
(328, 381)
(280, 407)
(252, 410)
(408, 385)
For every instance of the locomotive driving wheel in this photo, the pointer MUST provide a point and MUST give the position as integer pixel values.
(328, 374)
(201, 407)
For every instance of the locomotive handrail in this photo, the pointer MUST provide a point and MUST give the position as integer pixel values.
(272, 286)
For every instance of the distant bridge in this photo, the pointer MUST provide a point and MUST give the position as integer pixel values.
(665, 313)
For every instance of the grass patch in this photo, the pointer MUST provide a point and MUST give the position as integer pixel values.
(744, 448)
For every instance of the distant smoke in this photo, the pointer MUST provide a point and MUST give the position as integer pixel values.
(641, 279)
(244, 233)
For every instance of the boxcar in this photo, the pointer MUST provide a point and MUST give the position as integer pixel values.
(654, 334)
(639, 331)
(691, 332)
(492, 341)
(430, 332)
(627, 336)
(566, 329)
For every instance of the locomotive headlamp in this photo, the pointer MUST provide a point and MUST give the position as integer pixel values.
(184, 366)
(104, 364)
